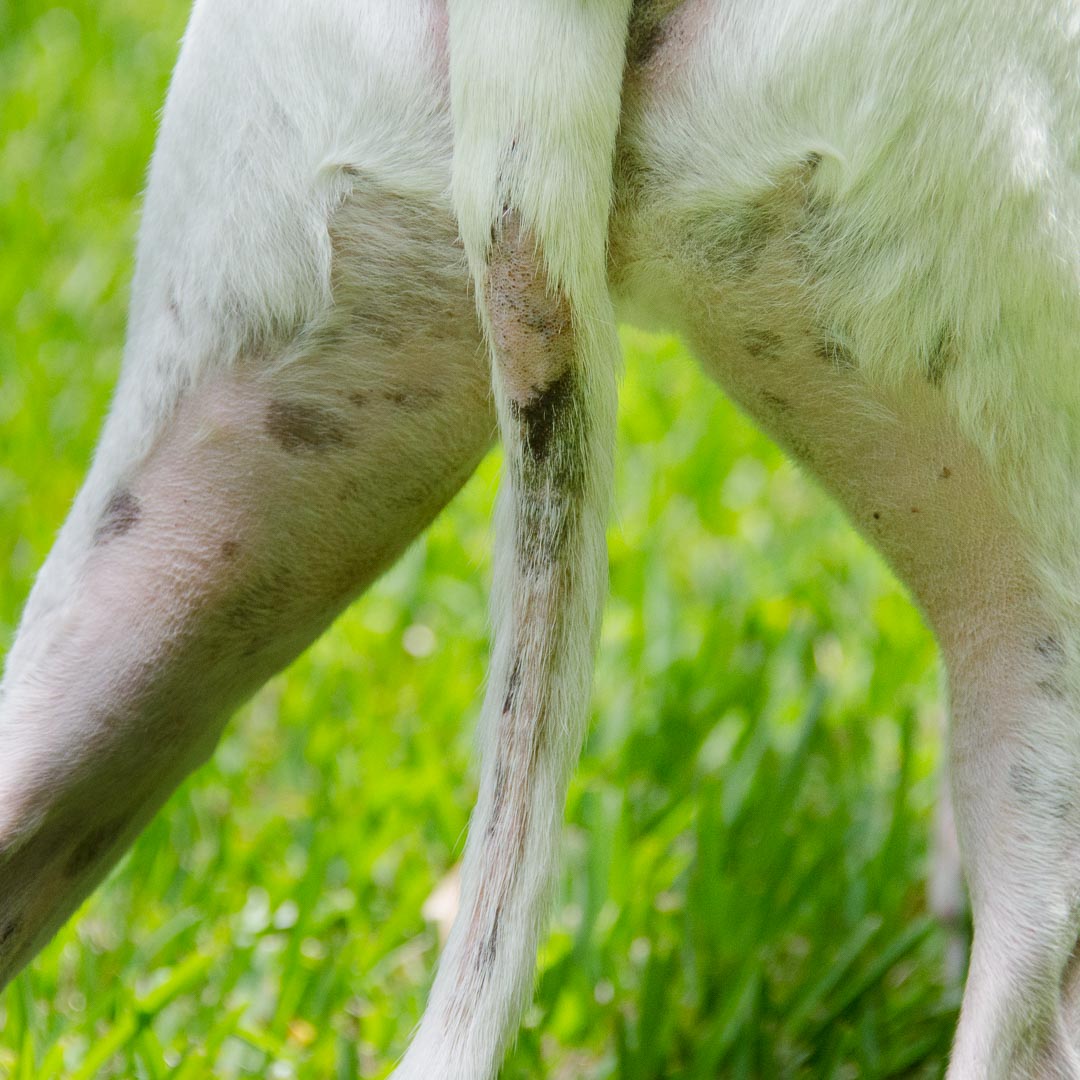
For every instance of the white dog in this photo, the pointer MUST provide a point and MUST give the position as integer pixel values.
(863, 215)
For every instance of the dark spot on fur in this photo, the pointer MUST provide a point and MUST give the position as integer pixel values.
(8, 930)
(298, 427)
(877, 515)
(647, 33)
(174, 309)
(1052, 688)
(541, 413)
(775, 402)
(914, 509)
(550, 477)
(832, 352)
(350, 491)
(941, 357)
(122, 514)
(801, 449)
(359, 398)
(93, 845)
(945, 473)
(1040, 791)
(421, 397)
(763, 343)
(750, 239)
(1050, 649)
(230, 549)
(491, 948)
(512, 686)
(1022, 779)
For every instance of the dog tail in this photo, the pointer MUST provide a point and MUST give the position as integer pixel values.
(536, 89)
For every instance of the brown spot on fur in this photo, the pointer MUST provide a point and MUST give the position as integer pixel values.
(831, 351)
(359, 398)
(941, 357)
(763, 343)
(420, 397)
(946, 472)
(877, 515)
(297, 427)
(92, 847)
(915, 510)
(122, 514)
(230, 549)
(775, 402)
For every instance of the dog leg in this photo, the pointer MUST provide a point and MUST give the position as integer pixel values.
(279, 435)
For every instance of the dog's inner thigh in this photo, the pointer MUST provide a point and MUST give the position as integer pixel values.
(276, 491)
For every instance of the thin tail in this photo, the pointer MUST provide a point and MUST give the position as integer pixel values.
(536, 88)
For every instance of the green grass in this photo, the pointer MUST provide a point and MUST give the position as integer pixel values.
(746, 837)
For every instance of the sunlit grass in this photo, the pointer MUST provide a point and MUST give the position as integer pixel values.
(746, 836)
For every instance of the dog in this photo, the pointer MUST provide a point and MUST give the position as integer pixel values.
(373, 230)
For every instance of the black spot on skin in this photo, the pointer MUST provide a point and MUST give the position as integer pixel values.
(877, 515)
(941, 357)
(122, 514)
(299, 428)
(92, 846)
(832, 352)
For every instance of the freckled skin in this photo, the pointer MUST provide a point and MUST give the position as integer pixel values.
(532, 328)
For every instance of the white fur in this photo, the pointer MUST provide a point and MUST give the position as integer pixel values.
(863, 216)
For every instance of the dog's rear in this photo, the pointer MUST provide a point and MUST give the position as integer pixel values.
(862, 216)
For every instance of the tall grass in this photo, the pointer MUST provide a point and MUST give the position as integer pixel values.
(746, 837)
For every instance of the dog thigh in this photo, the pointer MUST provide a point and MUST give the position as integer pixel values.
(303, 390)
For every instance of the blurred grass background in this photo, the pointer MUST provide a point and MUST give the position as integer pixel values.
(747, 835)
